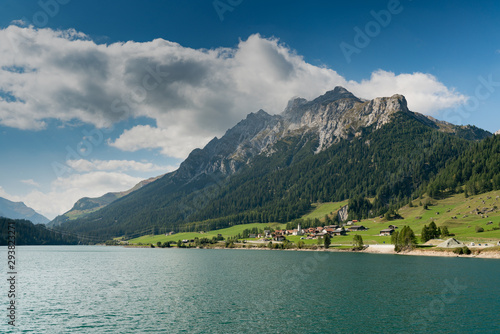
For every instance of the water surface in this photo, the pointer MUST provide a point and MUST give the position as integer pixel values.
(96, 289)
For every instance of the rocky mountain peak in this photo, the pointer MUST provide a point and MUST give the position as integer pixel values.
(333, 116)
(497, 133)
(333, 95)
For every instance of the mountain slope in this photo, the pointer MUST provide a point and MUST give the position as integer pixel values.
(271, 168)
(18, 210)
(478, 169)
(87, 205)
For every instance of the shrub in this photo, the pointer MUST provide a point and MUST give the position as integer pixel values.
(479, 229)
(466, 250)
(458, 250)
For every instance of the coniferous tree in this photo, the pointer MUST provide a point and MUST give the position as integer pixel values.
(404, 240)
(357, 242)
(327, 241)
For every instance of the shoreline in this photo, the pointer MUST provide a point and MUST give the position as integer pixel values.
(370, 249)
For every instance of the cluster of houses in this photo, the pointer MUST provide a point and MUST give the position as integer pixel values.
(311, 232)
(320, 232)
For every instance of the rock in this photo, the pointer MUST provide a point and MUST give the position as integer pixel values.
(451, 243)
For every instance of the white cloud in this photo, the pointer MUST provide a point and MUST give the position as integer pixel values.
(8, 196)
(30, 182)
(83, 165)
(147, 137)
(192, 94)
(423, 92)
(89, 178)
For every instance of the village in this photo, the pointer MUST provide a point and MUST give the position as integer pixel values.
(311, 233)
(318, 232)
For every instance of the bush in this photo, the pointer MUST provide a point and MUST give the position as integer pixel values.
(462, 250)
(479, 229)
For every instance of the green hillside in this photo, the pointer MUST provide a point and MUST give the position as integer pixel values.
(439, 211)
(225, 232)
(322, 209)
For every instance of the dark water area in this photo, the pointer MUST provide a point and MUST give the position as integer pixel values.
(96, 289)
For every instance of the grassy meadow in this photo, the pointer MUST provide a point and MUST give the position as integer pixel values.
(442, 212)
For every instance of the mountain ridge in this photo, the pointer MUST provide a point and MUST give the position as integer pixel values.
(19, 210)
(86, 205)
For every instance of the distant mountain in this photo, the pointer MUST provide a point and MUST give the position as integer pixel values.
(86, 205)
(271, 168)
(18, 210)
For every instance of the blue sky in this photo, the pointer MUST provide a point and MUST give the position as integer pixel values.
(97, 95)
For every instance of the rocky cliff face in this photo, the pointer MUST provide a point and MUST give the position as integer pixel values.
(339, 114)
(336, 114)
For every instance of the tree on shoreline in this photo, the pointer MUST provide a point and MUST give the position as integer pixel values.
(357, 242)
(404, 240)
(327, 241)
(430, 232)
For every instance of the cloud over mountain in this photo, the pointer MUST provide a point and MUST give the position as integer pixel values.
(192, 94)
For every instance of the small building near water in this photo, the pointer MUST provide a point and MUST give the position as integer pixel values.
(279, 237)
(387, 232)
(356, 228)
(339, 231)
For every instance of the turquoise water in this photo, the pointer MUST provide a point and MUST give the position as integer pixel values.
(92, 289)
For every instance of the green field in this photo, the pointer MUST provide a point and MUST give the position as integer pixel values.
(322, 209)
(440, 211)
(226, 232)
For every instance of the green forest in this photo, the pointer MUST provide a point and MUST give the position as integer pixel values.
(28, 233)
(475, 171)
